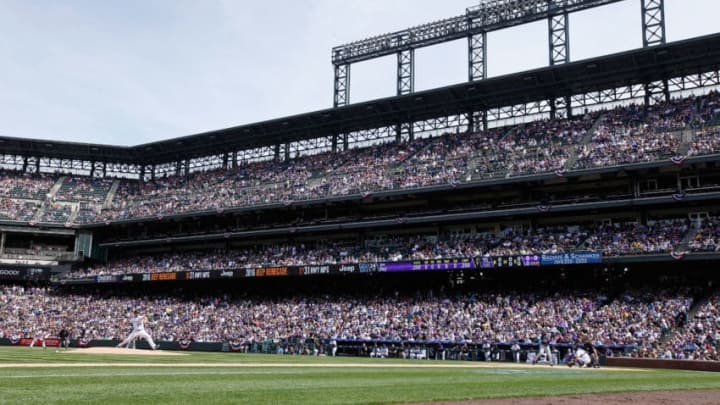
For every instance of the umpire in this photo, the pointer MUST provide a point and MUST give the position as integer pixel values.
(64, 338)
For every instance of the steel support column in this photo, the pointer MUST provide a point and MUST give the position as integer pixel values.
(404, 132)
(666, 89)
(405, 72)
(561, 107)
(477, 121)
(341, 90)
(477, 56)
(656, 92)
(653, 22)
(558, 37)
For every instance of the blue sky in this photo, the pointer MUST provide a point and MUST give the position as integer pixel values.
(131, 72)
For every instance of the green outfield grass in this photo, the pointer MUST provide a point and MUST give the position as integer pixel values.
(227, 378)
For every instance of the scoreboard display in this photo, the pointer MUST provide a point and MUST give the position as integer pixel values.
(427, 265)
(489, 262)
(462, 263)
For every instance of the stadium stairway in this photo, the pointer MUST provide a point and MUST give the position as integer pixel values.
(55, 188)
(683, 245)
(469, 169)
(410, 153)
(687, 136)
(479, 155)
(74, 214)
(313, 182)
(111, 194)
(585, 141)
(40, 213)
(398, 170)
(698, 302)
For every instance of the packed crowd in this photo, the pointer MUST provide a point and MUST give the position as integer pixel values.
(543, 146)
(17, 210)
(631, 134)
(631, 238)
(707, 237)
(705, 141)
(21, 195)
(89, 190)
(28, 197)
(698, 338)
(442, 161)
(24, 186)
(634, 134)
(662, 237)
(637, 319)
(56, 213)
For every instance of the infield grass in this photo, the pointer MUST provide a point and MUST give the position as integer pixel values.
(229, 378)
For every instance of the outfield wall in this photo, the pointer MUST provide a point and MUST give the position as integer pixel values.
(695, 365)
(178, 345)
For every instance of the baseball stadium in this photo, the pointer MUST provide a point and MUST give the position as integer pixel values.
(550, 235)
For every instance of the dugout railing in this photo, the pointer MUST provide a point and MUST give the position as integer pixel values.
(496, 352)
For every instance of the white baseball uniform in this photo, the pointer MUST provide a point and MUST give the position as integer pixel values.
(582, 357)
(138, 331)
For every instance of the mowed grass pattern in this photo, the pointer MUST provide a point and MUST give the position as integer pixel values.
(229, 378)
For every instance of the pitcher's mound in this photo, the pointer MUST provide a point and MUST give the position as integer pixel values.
(115, 350)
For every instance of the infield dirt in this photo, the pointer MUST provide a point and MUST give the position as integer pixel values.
(639, 398)
(117, 350)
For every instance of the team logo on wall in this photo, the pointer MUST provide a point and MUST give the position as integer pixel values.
(235, 346)
(14, 339)
(83, 342)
